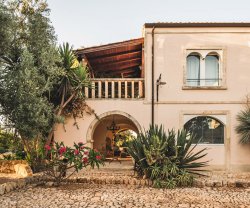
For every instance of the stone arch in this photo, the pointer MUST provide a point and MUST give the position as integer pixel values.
(96, 121)
(214, 53)
(214, 116)
(194, 53)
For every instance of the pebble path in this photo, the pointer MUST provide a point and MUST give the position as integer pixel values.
(117, 195)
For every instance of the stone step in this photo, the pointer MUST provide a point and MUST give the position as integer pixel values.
(132, 180)
(126, 180)
(92, 178)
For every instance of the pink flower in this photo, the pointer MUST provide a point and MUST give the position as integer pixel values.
(98, 157)
(47, 147)
(62, 150)
(86, 152)
(85, 160)
(76, 152)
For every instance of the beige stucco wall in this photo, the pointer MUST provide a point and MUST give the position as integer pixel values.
(69, 133)
(171, 45)
(174, 101)
(170, 48)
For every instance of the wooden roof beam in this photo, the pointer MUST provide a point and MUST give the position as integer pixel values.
(128, 70)
(118, 65)
(114, 51)
(120, 57)
(89, 66)
(124, 66)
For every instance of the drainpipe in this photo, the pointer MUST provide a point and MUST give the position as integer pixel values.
(153, 82)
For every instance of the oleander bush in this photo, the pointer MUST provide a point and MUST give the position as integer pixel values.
(63, 158)
(169, 158)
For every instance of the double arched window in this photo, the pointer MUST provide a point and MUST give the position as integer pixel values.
(208, 130)
(203, 71)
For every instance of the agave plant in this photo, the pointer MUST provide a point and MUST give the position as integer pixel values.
(148, 148)
(167, 158)
(188, 158)
(136, 150)
(243, 128)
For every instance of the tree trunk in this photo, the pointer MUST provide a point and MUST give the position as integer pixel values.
(26, 145)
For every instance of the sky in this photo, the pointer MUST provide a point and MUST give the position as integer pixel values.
(85, 23)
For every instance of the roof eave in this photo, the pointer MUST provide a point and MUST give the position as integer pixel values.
(197, 24)
(110, 46)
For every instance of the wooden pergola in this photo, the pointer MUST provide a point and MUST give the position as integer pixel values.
(115, 60)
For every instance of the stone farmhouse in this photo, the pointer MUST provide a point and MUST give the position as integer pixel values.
(182, 75)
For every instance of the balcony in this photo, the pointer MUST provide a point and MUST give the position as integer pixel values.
(116, 69)
(116, 88)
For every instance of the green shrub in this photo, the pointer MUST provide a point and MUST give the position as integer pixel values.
(11, 143)
(167, 159)
(35, 154)
(243, 127)
(2, 149)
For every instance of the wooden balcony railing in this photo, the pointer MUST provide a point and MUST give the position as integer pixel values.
(116, 88)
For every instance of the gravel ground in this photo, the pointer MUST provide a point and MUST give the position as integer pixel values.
(114, 195)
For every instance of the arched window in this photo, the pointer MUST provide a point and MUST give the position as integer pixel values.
(212, 70)
(208, 130)
(204, 69)
(193, 70)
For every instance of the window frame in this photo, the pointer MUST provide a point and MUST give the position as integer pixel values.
(211, 117)
(203, 52)
(223, 116)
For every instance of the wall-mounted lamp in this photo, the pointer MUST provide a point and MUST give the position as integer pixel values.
(158, 83)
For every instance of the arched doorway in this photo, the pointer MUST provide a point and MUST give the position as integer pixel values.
(102, 137)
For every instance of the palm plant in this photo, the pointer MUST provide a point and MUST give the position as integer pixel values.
(243, 128)
(74, 79)
(68, 95)
(166, 158)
